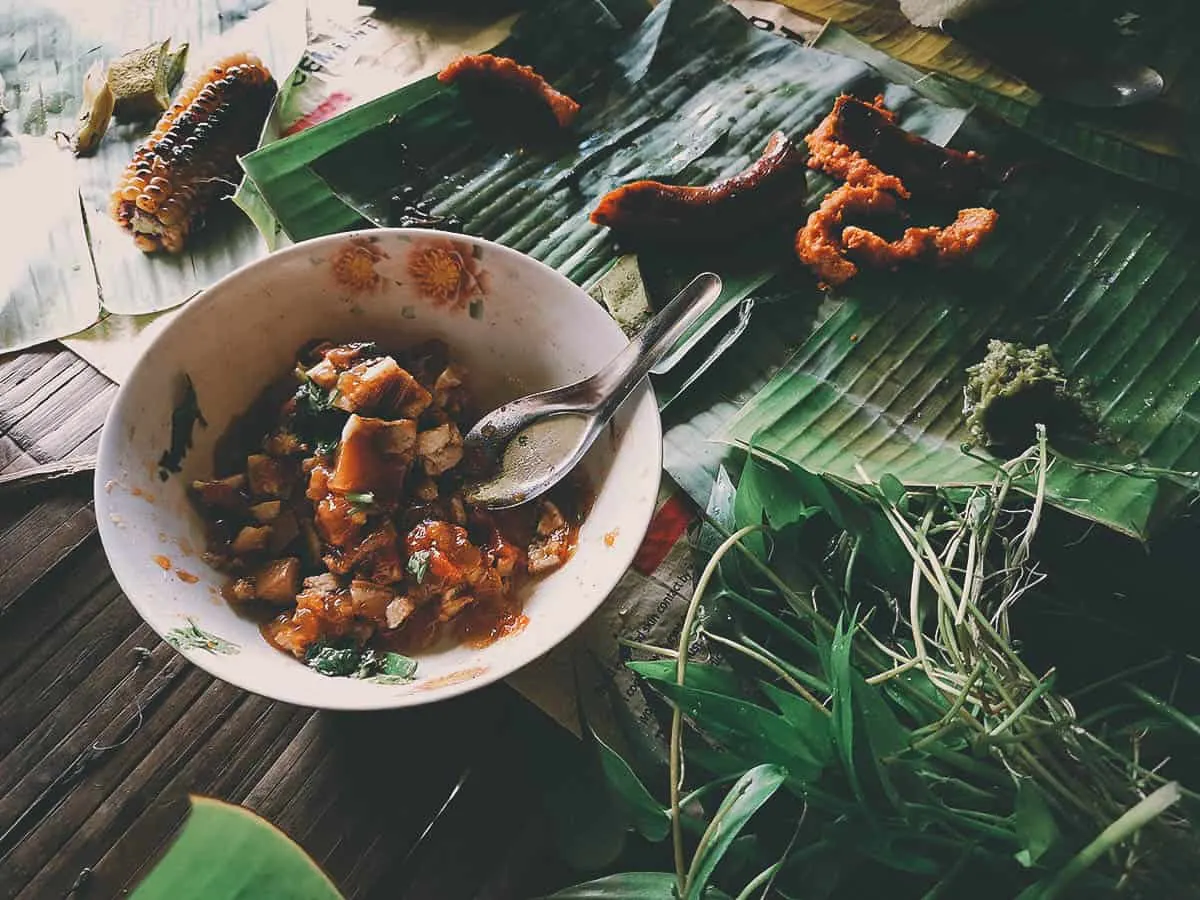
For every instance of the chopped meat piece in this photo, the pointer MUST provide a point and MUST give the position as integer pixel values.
(440, 449)
(267, 511)
(283, 443)
(284, 530)
(452, 603)
(550, 519)
(544, 556)
(242, 591)
(324, 375)
(227, 494)
(447, 390)
(371, 600)
(374, 455)
(269, 477)
(325, 583)
(251, 539)
(458, 510)
(453, 559)
(338, 521)
(484, 68)
(381, 386)
(424, 488)
(857, 134)
(398, 611)
(379, 555)
(773, 188)
(278, 581)
(342, 356)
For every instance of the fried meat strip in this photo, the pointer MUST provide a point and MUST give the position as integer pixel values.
(658, 212)
(861, 143)
(485, 68)
(956, 241)
(819, 242)
(829, 154)
(831, 248)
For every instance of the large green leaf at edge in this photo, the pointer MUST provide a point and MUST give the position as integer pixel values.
(227, 851)
(1101, 269)
(630, 886)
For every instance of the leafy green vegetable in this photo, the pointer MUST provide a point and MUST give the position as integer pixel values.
(225, 851)
(743, 800)
(1034, 823)
(339, 659)
(647, 815)
(184, 417)
(316, 420)
(333, 660)
(361, 500)
(630, 886)
(418, 565)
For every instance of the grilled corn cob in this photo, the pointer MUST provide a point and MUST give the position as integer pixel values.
(191, 158)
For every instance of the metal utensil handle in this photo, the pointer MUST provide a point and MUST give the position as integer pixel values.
(617, 380)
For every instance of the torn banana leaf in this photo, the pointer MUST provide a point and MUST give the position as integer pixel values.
(690, 96)
(47, 288)
(1099, 268)
(1153, 142)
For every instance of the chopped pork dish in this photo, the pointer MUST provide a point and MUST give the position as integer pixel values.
(338, 514)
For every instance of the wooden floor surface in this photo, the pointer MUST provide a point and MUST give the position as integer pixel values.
(105, 730)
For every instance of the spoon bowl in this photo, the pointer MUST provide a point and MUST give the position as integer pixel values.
(525, 447)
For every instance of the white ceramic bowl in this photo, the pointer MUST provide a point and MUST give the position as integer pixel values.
(517, 325)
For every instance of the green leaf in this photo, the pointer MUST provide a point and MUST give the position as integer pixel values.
(226, 851)
(418, 565)
(334, 660)
(716, 679)
(751, 731)
(744, 799)
(361, 498)
(812, 726)
(1034, 823)
(841, 680)
(630, 886)
(647, 815)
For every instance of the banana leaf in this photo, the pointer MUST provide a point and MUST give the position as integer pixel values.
(1098, 268)
(1155, 142)
(690, 96)
(225, 851)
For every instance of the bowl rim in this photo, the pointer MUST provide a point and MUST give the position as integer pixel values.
(110, 535)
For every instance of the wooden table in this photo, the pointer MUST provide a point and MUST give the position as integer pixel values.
(105, 729)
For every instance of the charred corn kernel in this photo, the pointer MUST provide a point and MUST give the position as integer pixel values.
(190, 160)
(95, 111)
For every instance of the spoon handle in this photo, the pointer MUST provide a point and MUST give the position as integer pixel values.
(616, 381)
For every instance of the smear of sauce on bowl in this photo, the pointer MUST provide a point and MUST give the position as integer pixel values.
(163, 562)
(610, 537)
(186, 577)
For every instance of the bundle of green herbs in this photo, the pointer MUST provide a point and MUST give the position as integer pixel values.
(872, 722)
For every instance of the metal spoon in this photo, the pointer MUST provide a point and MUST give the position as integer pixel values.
(529, 445)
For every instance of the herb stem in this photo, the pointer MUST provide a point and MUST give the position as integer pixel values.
(675, 762)
(778, 670)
